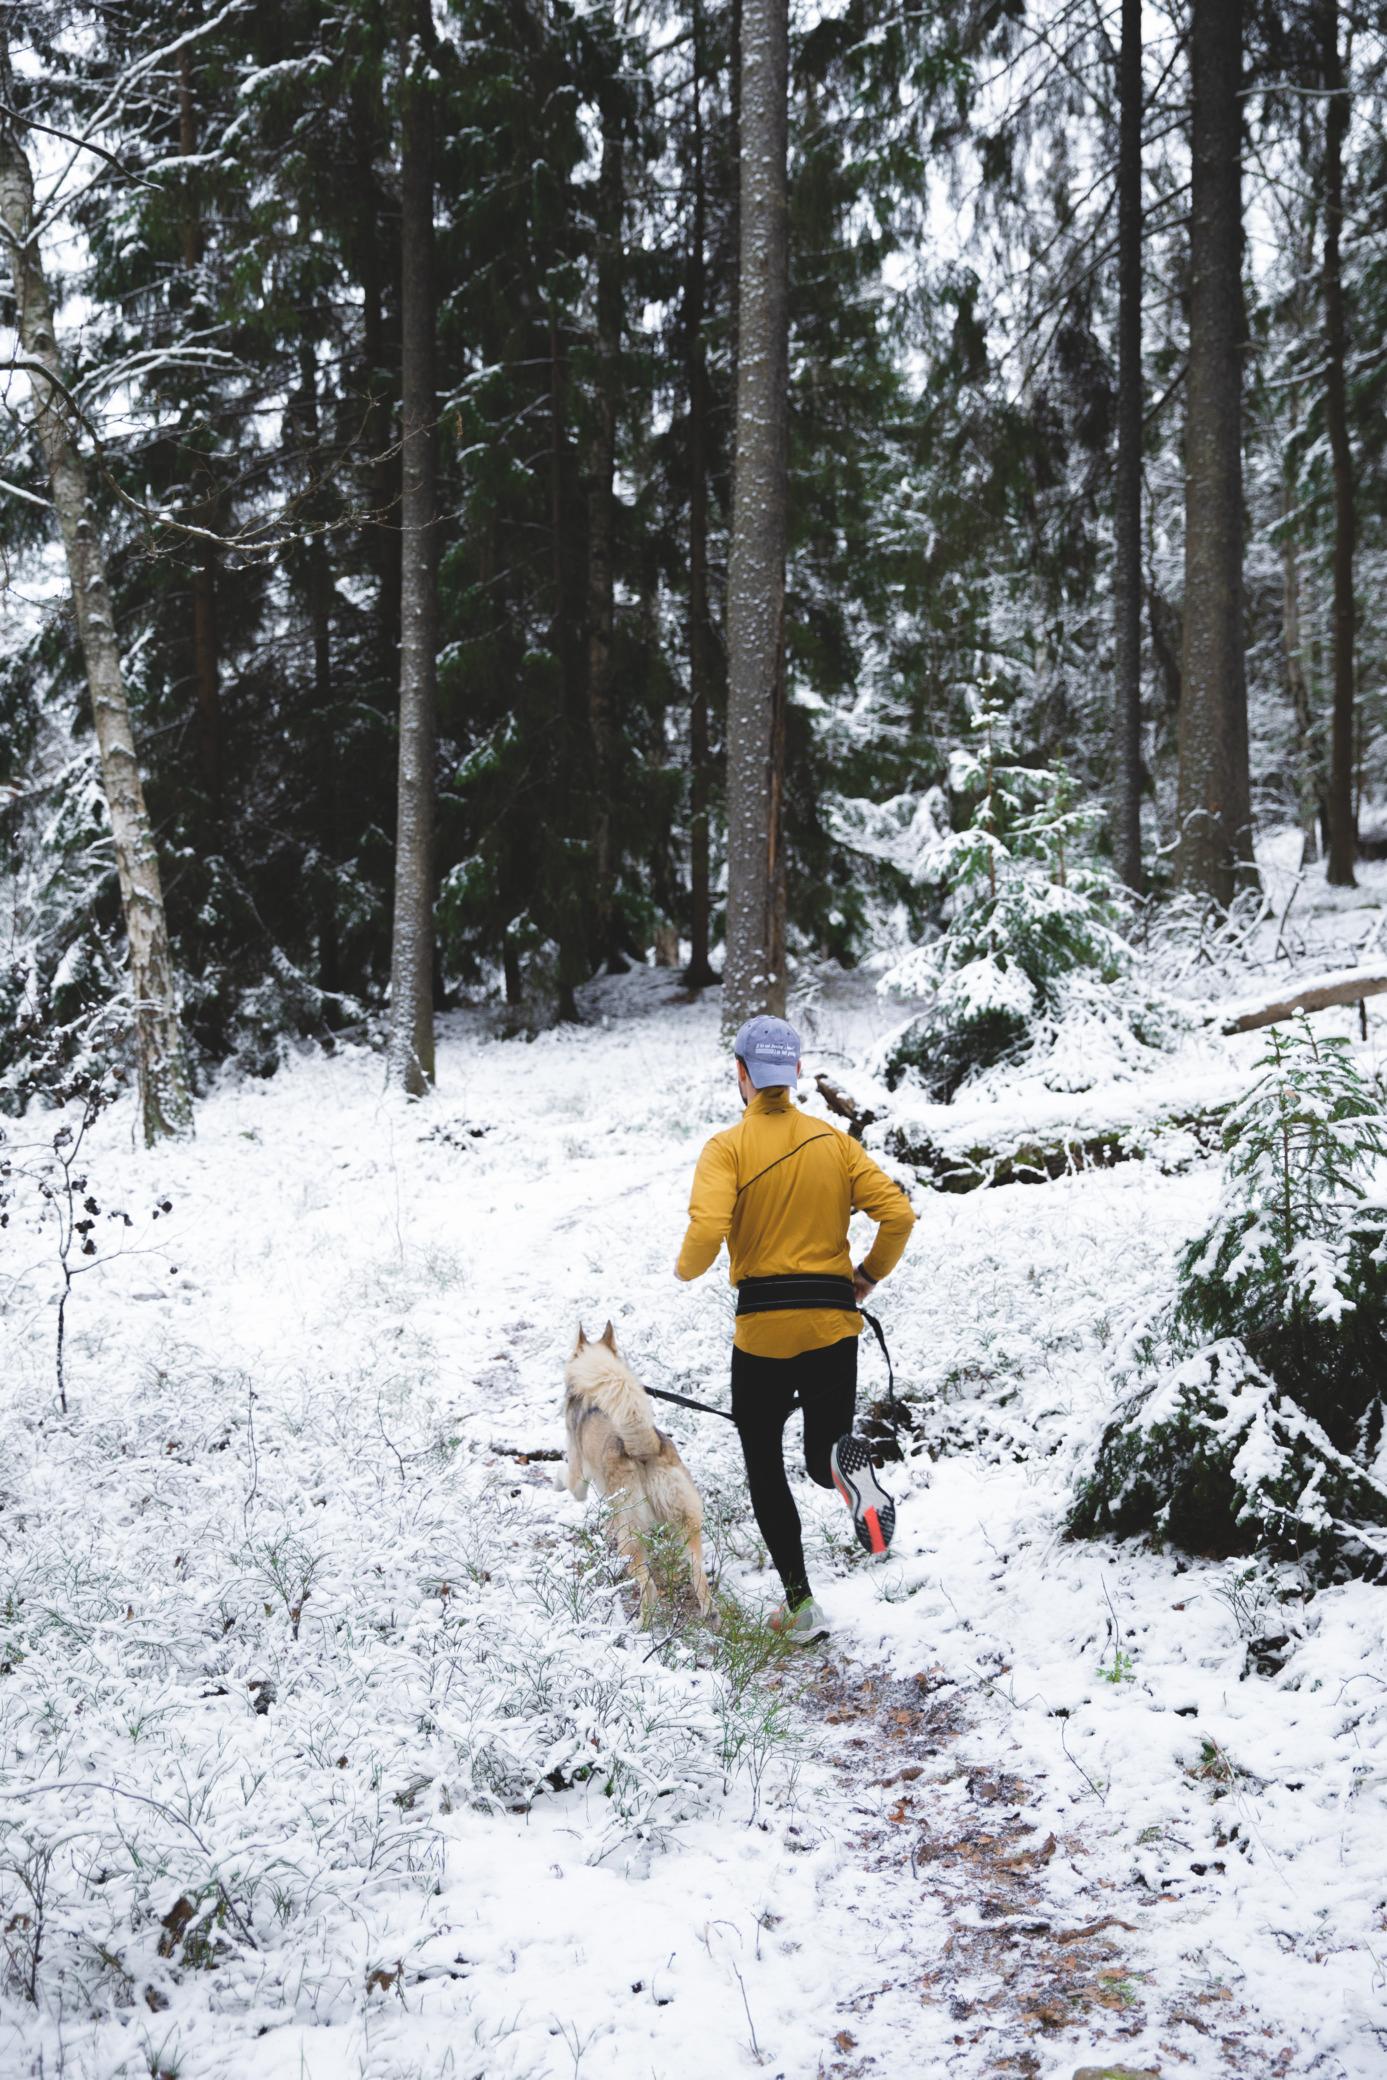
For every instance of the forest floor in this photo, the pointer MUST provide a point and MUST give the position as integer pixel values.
(329, 1746)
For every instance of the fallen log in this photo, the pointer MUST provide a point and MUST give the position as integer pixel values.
(1314, 993)
(976, 1151)
(1037, 1158)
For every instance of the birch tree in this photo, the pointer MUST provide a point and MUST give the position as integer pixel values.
(164, 1096)
(754, 976)
(411, 1047)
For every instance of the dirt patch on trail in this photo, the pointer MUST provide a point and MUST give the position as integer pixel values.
(1010, 1937)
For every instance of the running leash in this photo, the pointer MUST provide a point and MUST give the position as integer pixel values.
(874, 1325)
(706, 1408)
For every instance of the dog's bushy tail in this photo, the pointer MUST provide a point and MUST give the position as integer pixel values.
(622, 1400)
(632, 1418)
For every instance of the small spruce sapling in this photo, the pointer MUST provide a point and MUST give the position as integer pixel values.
(1032, 916)
(1267, 1433)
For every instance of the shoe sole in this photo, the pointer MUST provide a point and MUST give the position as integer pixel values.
(873, 1511)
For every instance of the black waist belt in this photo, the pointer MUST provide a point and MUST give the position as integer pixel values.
(795, 1289)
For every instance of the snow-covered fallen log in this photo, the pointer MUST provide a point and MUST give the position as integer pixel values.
(1031, 1137)
(1311, 993)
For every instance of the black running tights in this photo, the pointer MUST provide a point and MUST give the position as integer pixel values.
(764, 1390)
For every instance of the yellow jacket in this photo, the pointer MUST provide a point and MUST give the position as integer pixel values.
(779, 1211)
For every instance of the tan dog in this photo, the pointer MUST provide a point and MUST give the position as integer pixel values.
(614, 1444)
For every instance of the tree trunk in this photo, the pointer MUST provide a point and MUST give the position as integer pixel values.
(165, 1102)
(1310, 785)
(1167, 643)
(319, 602)
(1127, 499)
(733, 172)
(510, 968)
(329, 838)
(187, 145)
(601, 531)
(1311, 993)
(206, 671)
(1215, 855)
(383, 462)
(1343, 837)
(411, 1049)
(569, 901)
(700, 972)
(754, 979)
(380, 357)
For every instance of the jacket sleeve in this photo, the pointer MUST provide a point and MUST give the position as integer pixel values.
(884, 1201)
(710, 1208)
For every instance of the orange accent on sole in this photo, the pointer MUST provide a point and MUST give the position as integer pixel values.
(842, 1491)
(873, 1524)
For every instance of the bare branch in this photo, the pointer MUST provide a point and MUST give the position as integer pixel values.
(30, 497)
(84, 144)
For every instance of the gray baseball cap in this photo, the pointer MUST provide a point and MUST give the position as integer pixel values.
(771, 1050)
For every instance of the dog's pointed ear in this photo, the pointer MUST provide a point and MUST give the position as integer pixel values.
(582, 1343)
(608, 1337)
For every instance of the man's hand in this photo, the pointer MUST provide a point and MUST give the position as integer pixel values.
(862, 1286)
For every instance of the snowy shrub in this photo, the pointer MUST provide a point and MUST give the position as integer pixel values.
(1032, 939)
(1268, 1432)
(298, 1657)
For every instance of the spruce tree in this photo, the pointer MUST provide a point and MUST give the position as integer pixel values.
(1127, 488)
(1342, 831)
(754, 978)
(1215, 810)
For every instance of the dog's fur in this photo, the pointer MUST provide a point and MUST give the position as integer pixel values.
(614, 1444)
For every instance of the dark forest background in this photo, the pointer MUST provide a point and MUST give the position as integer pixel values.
(230, 257)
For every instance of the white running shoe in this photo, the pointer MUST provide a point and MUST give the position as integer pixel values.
(805, 1624)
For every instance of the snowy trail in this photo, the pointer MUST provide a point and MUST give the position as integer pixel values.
(276, 1575)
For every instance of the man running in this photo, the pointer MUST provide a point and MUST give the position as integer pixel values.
(780, 1188)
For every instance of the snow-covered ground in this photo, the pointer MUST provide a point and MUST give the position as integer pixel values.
(329, 1746)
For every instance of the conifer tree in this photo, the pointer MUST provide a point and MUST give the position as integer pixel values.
(754, 979)
(700, 636)
(1215, 790)
(1127, 490)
